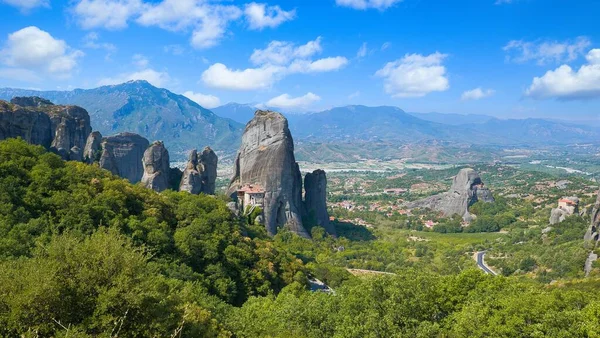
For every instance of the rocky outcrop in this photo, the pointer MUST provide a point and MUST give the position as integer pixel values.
(567, 206)
(38, 121)
(156, 167)
(266, 160)
(122, 155)
(315, 199)
(467, 188)
(200, 173)
(191, 180)
(594, 228)
(93, 148)
(209, 162)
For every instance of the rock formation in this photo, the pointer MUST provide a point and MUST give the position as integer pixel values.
(200, 173)
(467, 188)
(93, 148)
(156, 167)
(315, 198)
(209, 161)
(266, 161)
(38, 121)
(567, 206)
(122, 155)
(592, 234)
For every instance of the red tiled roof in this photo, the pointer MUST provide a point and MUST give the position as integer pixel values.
(251, 189)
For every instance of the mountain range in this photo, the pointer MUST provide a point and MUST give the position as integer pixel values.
(154, 113)
(341, 133)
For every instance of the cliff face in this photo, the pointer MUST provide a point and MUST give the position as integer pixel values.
(122, 155)
(93, 147)
(315, 199)
(63, 129)
(592, 233)
(467, 188)
(266, 160)
(156, 167)
(200, 173)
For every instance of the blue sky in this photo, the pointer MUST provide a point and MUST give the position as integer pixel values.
(508, 58)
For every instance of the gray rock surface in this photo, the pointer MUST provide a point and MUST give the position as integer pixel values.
(38, 121)
(592, 232)
(209, 161)
(592, 257)
(122, 155)
(467, 188)
(156, 167)
(93, 147)
(315, 199)
(75, 154)
(559, 214)
(266, 159)
(191, 180)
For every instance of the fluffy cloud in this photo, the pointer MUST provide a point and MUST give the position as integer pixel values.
(415, 75)
(36, 50)
(91, 41)
(366, 4)
(27, 5)
(322, 65)
(156, 78)
(219, 76)
(477, 94)
(278, 60)
(110, 14)
(261, 16)
(520, 51)
(564, 83)
(282, 52)
(206, 101)
(286, 101)
(207, 21)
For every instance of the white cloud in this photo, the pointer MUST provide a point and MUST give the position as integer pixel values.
(282, 52)
(564, 83)
(110, 14)
(219, 76)
(27, 5)
(520, 51)
(34, 49)
(261, 16)
(385, 46)
(206, 101)
(278, 60)
(155, 78)
(502, 2)
(476, 94)
(208, 22)
(322, 65)
(140, 61)
(362, 51)
(91, 41)
(367, 4)
(286, 101)
(415, 75)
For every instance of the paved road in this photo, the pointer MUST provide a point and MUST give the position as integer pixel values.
(481, 263)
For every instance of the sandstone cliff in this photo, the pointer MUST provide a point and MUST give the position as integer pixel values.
(467, 188)
(93, 148)
(266, 161)
(122, 155)
(315, 199)
(567, 206)
(209, 162)
(156, 167)
(592, 234)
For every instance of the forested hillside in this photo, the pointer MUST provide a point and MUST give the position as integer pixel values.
(86, 254)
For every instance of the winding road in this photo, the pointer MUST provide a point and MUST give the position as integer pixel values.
(479, 258)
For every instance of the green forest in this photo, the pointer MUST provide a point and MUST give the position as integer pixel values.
(84, 253)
